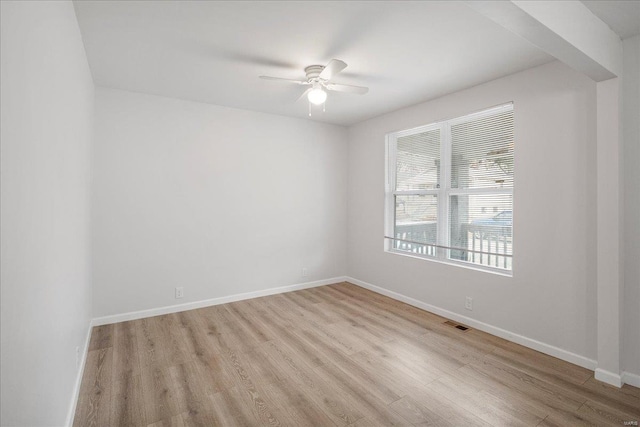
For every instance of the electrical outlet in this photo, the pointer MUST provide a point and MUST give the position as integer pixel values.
(305, 272)
(77, 357)
(179, 292)
(468, 303)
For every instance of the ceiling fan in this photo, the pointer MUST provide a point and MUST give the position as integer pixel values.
(319, 79)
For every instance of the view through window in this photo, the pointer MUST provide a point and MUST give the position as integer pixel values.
(449, 193)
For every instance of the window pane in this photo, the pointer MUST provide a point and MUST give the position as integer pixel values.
(484, 223)
(482, 152)
(415, 224)
(418, 161)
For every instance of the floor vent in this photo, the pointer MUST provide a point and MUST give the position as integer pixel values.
(456, 325)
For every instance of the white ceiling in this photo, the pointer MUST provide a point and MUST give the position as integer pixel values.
(623, 17)
(405, 52)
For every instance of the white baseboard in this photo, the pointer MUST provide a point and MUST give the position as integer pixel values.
(608, 377)
(78, 383)
(551, 350)
(631, 379)
(209, 302)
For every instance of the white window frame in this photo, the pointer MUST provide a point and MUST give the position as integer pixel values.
(443, 193)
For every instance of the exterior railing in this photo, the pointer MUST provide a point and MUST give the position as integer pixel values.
(492, 243)
(487, 244)
(424, 231)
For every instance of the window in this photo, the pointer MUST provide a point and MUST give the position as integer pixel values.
(449, 194)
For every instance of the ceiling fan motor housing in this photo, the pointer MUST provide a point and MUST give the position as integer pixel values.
(313, 72)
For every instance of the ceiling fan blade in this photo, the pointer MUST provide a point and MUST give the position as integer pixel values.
(360, 90)
(304, 94)
(333, 67)
(279, 79)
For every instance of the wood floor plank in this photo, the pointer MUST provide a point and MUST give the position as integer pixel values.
(284, 310)
(310, 296)
(381, 422)
(338, 313)
(370, 334)
(410, 313)
(626, 394)
(454, 347)
(175, 421)
(615, 398)
(228, 408)
(316, 312)
(150, 349)
(434, 402)
(605, 415)
(198, 346)
(190, 395)
(249, 322)
(94, 401)
(236, 336)
(340, 364)
(383, 323)
(214, 374)
(504, 390)
(274, 314)
(374, 406)
(542, 402)
(482, 405)
(303, 349)
(571, 418)
(472, 338)
(159, 394)
(549, 392)
(300, 409)
(173, 341)
(331, 355)
(101, 337)
(217, 335)
(541, 365)
(425, 373)
(126, 360)
(333, 401)
(127, 402)
(330, 292)
(335, 337)
(415, 414)
(259, 365)
(395, 376)
(298, 299)
(253, 394)
(420, 353)
(400, 324)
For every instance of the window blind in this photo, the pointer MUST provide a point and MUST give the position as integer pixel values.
(481, 199)
(418, 161)
(482, 152)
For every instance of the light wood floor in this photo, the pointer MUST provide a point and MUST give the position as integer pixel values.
(333, 355)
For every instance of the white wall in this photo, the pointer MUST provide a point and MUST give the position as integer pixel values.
(218, 200)
(631, 155)
(551, 296)
(47, 110)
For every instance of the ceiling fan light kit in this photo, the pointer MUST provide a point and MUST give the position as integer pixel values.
(317, 95)
(319, 78)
